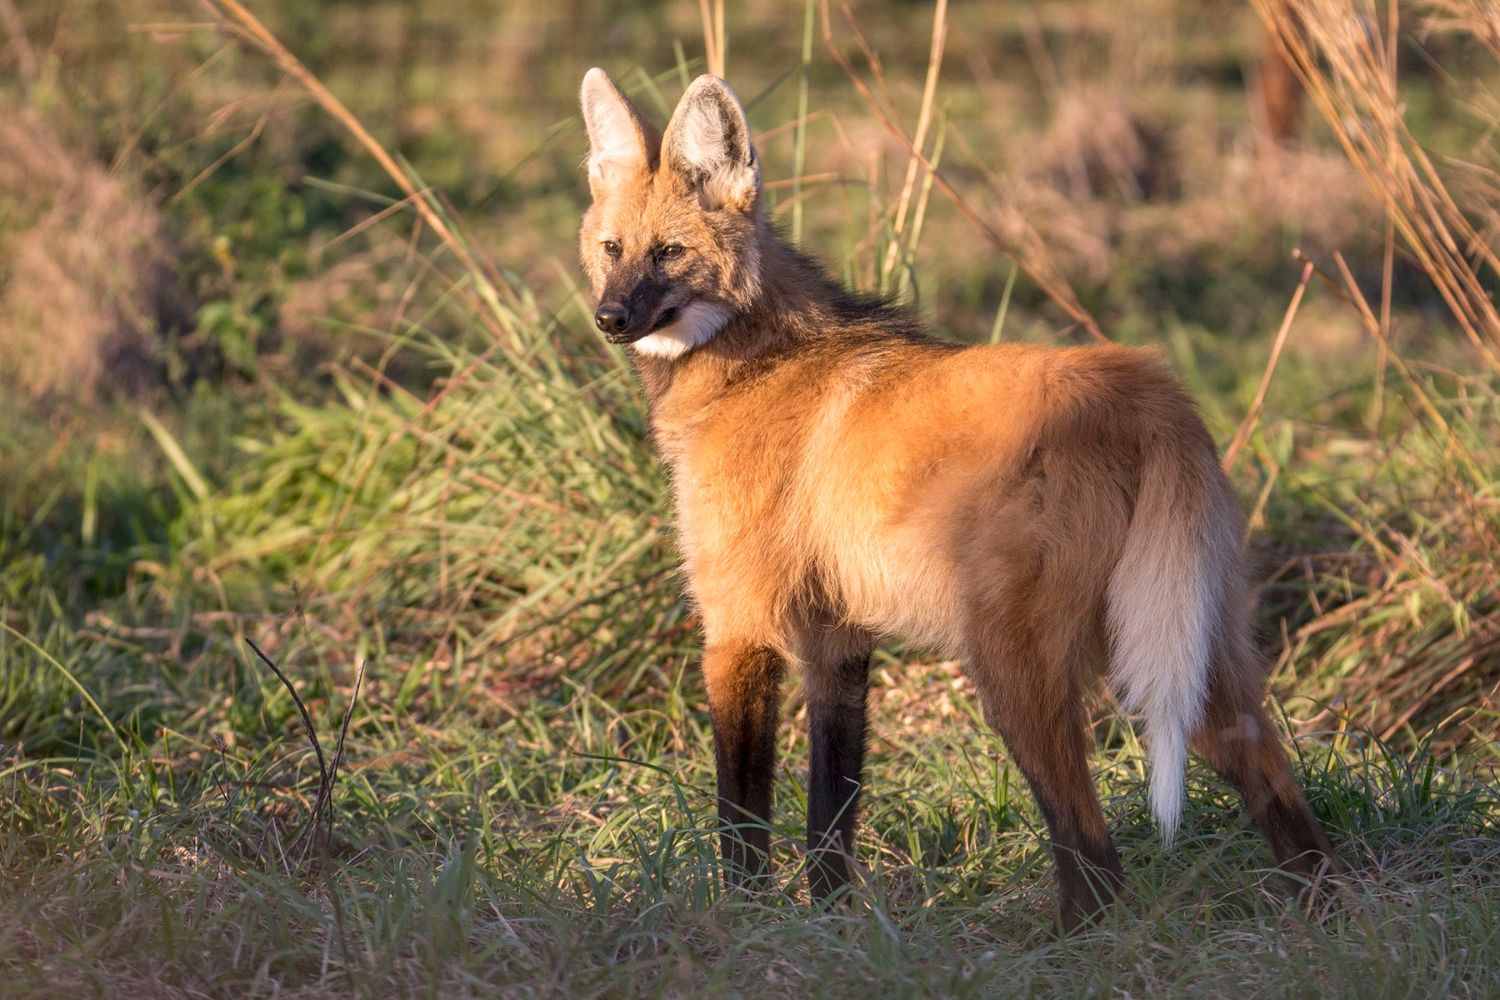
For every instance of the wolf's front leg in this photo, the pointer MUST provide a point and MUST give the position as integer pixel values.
(836, 716)
(744, 697)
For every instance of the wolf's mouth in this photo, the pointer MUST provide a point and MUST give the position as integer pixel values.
(668, 316)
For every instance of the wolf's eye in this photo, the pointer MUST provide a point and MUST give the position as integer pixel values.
(671, 250)
(612, 248)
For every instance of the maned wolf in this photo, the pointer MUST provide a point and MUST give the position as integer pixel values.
(840, 478)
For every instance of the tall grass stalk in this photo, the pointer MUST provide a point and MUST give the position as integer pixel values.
(1351, 78)
(799, 149)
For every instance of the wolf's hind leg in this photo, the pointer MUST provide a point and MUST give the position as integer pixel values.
(1239, 741)
(1037, 707)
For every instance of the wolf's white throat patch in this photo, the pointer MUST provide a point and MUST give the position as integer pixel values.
(697, 325)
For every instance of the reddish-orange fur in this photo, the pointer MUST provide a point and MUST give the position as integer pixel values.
(839, 477)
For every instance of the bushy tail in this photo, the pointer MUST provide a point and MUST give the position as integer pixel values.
(1167, 600)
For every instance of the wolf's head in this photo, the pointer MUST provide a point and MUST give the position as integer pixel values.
(670, 242)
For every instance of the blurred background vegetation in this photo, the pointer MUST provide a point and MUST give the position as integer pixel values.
(189, 235)
(252, 381)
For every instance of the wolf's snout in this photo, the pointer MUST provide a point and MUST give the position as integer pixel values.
(612, 318)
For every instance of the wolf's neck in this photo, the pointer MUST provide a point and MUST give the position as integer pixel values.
(798, 305)
(798, 297)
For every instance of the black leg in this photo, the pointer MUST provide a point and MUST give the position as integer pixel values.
(744, 687)
(836, 713)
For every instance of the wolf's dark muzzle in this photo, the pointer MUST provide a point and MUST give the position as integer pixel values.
(612, 319)
(623, 321)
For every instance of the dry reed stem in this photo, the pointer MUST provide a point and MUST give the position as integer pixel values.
(1252, 418)
(1054, 286)
(919, 140)
(239, 20)
(715, 42)
(1351, 81)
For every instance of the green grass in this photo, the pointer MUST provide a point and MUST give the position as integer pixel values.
(458, 498)
(525, 801)
(571, 849)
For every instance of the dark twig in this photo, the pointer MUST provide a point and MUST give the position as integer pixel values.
(324, 786)
(334, 896)
(338, 750)
(223, 769)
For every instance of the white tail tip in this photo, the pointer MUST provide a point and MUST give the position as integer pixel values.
(1168, 754)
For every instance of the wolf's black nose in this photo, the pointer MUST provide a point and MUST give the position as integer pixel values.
(612, 317)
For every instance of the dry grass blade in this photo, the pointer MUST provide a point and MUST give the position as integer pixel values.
(237, 18)
(1252, 418)
(1350, 78)
(1053, 285)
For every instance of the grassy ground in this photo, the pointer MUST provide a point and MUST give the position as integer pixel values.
(406, 470)
(571, 849)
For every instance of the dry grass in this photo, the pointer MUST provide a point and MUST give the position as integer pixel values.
(89, 283)
(1405, 633)
(1097, 146)
(1346, 54)
(1109, 182)
(1406, 624)
(525, 804)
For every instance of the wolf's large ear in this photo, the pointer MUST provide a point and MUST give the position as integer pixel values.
(621, 142)
(708, 145)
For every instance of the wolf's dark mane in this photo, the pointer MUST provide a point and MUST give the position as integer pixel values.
(800, 309)
(845, 307)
